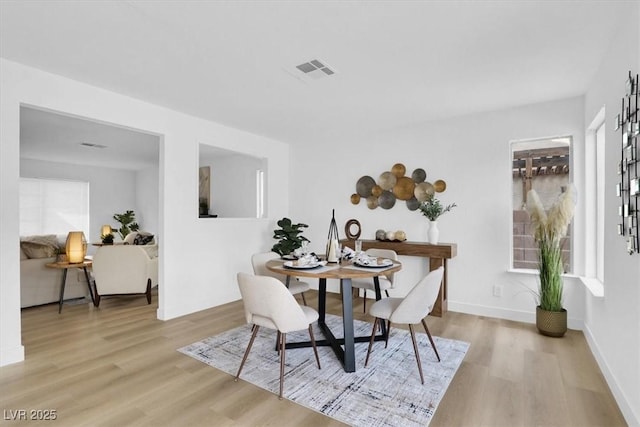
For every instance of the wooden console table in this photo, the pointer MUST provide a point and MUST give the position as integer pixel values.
(437, 254)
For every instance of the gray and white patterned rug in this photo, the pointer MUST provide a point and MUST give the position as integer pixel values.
(387, 392)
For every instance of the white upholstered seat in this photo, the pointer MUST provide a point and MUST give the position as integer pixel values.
(410, 310)
(259, 261)
(268, 303)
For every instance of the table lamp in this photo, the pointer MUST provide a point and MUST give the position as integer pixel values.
(76, 247)
(105, 230)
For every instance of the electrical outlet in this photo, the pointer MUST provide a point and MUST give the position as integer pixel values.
(497, 290)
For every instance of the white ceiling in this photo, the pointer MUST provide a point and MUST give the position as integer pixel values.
(398, 62)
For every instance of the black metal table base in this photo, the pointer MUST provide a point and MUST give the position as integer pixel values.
(344, 348)
(64, 282)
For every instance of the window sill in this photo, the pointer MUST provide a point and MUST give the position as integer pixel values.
(530, 272)
(595, 286)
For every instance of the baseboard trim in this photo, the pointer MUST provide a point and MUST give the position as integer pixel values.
(632, 418)
(9, 356)
(507, 314)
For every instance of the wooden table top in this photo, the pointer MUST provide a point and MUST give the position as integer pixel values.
(344, 270)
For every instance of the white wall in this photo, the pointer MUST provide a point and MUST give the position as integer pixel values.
(147, 200)
(472, 155)
(110, 190)
(199, 258)
(612, 323)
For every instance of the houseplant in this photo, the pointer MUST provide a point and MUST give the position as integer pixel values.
(432, 209)
(548, 229)
(289, 237)
(127, 222)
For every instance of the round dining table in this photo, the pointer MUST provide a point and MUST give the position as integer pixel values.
(344, 348)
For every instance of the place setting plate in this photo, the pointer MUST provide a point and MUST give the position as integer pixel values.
(296, 266)
(375, 263)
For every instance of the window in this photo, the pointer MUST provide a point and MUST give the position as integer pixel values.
(542, 165)
(53, 206)
(594, 197)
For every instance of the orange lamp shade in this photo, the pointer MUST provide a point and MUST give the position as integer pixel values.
(76, 247)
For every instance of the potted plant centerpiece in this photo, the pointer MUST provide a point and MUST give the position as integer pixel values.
(548, 229)
(107, 239)
(289, 237)
(432, 209)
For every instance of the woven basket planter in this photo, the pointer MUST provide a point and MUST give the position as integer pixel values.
(551, 323)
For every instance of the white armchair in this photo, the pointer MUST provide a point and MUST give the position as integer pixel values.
(124, 269)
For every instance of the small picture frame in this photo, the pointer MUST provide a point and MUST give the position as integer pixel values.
(626, 210)
(625, 139)
(634, 186)
(621, 229)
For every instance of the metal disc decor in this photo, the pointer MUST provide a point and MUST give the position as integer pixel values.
(440, 186)
(386, 200)
(394, 185)
(404, 188)
(423, 191)
(364, 186)
(387, 180)
(372, 202)
(349, 226)
(413, 204)
(398, 170)
(418, 175)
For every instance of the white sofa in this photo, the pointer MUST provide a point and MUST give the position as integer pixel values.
(40, 284)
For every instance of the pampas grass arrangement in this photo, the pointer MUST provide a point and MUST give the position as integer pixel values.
(548, 230)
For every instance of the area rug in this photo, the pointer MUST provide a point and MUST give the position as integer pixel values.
(387, 392)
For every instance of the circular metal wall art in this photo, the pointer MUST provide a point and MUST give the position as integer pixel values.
(398, 170)
(423, 191)
(376, 190)
(372, 202)
(387, 180)
(350, 226)
(364, 186)
(386, 200)
(413, 204)
(419, 175)
(355, 198)
(404, 188)
(440, 186)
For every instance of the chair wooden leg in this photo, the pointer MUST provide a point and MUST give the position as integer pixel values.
(304, 300)
(246, 353)
(313, 343)
(373, 335)
(148, 293)
(430, 339)
(415, 350)
(386, 337)
(283, 347)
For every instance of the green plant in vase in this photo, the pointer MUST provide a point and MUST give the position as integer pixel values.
(107, 239)
(548, 230)
(289, 237)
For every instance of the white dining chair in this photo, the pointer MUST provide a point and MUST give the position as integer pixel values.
(259, 261)
(409, 310)
(385, 280)
(268, 303)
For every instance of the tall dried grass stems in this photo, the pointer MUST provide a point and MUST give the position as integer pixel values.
(548, 230)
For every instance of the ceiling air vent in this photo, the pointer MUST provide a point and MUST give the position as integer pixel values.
(88, 144)
(315, 69)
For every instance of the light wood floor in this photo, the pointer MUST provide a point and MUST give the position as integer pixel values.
(118, 366)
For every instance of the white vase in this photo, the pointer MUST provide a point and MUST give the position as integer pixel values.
(433, 232)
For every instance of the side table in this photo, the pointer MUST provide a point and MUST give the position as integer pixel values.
(65, 266)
